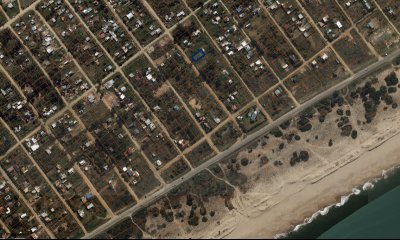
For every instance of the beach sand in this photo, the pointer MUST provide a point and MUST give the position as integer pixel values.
(301, 199)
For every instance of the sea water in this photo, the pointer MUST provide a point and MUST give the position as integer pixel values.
(372, 210)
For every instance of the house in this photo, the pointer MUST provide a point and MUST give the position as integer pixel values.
(324, 57)
(338, 24)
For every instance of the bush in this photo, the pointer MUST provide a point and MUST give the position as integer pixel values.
(306, 127)
(354, 134)
(263, 160)
(194, 220)
(304, 156)
(346, 130)
(392, 89)
(212, 213)
(277, 132)
(391, 79)
(388, 100)
(281, 146)
(244, 162)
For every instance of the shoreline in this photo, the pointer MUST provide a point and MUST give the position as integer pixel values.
(305, 199)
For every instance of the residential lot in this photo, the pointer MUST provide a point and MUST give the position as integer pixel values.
(131, 111)
(3, 19)
(39, 194)
(26, 3)
(27, 74)
(194, 4)
(243, 56)
(200, 154)
(379, 33)
(100, 20)
(16, 216)
(328, 16)
(138, 20)
(175, 171)
(251, 119)
(169, 11)
(213, 68)
(65, 75)
(323, 72)
(60, 169)
(277, 102)
(226, 136)
(202, 104)
(354, 51)
(6, 140)
(392, 10)
(73, 34)
(297, 26)
(139, 176)
(108, 147)
(98, 167)
(18, 113)
(163, 101)
(357, 9)
(265, 35)
(160, 48)
(11, 7)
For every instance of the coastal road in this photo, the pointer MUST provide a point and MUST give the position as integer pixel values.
(245, 142)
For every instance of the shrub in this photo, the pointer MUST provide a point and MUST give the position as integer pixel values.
(391, 79)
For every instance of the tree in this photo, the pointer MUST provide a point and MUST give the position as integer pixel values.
(391, 79)
(354, 134)
(244, 162)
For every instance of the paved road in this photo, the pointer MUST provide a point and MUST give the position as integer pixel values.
(249, 139)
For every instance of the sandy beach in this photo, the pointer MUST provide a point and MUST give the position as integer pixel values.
(301, 200)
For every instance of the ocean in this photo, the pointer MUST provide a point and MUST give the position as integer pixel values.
(367, 213)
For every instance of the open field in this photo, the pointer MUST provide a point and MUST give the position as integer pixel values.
(379, 33)
(322, 73)
(277, 102)
(354, 51)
